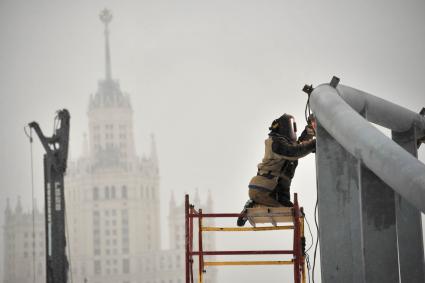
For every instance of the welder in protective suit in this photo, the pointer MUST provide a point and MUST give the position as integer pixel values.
(271, 185)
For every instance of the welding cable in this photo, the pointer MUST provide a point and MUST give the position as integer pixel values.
(306, 252)
(318, 238)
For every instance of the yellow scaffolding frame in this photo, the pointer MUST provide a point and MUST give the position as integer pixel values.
(298, 260)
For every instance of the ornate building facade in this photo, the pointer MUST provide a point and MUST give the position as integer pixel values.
(113, 198)
(112, 205)
(24, 245)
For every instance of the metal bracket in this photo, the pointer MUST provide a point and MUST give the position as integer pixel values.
(334, 82)
(422, 139)
(308, 89)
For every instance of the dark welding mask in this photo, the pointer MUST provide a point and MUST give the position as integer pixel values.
(285, 126)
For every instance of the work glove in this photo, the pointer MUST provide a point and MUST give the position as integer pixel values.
(310, 131)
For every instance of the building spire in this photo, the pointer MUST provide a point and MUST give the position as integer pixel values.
(172, 201)
(154, 154)
(85, 146)
(8, 210)
(106, 17)
(18, 208)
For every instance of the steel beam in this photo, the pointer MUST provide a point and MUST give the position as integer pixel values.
(390, 181)
(382, 112)
(390, 162)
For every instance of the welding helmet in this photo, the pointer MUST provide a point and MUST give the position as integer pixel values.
(285, 126)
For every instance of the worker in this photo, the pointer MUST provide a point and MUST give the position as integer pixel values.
(271, 185)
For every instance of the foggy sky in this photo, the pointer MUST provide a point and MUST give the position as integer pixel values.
(206, 77)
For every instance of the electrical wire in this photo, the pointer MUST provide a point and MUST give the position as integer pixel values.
(307, 260)
(307, 256)
(307, 110)
(311, 235)
(307, 113)
(317, 238)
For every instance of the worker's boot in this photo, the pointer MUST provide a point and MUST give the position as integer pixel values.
(283, 197)
(243, 215)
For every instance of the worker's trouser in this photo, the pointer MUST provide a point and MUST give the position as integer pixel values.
(278, 197)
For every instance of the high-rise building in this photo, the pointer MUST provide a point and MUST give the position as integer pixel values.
(112, 194)
(113, 198)
(24, 245)
(176, 220)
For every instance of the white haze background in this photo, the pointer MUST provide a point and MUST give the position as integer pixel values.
(206, 77)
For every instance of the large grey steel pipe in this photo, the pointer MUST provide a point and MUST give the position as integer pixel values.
(381, 111)
(390, 162)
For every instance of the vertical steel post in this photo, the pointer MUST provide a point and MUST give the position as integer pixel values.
(338, 187)
(378, 229)
(409, 223)
(297, 239)
(191, 211)
(201, 252)
(302, 237)
(186, 226)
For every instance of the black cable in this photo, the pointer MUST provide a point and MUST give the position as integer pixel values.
(311, 235)
(307, 109)
(307, 260)
(307, 256)
(307, 113)
(318, 238)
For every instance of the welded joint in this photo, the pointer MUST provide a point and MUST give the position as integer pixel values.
(421, 139)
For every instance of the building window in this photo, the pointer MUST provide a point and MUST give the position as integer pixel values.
(107, 193)
(113, 192)
(153, 192)
(97, 267)
(95, 193)
(126, 266)
(124, 192)
(178, 263)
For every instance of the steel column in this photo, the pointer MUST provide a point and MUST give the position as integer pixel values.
(201, 254)
(409, 223)
(186, 238)
(379, 229)
(338, 186)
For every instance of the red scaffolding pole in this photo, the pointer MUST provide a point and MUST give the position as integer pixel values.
(298, 255)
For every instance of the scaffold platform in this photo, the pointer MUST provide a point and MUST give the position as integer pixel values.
(280, 218)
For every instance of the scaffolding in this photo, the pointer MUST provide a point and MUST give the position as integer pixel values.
(294, 216)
